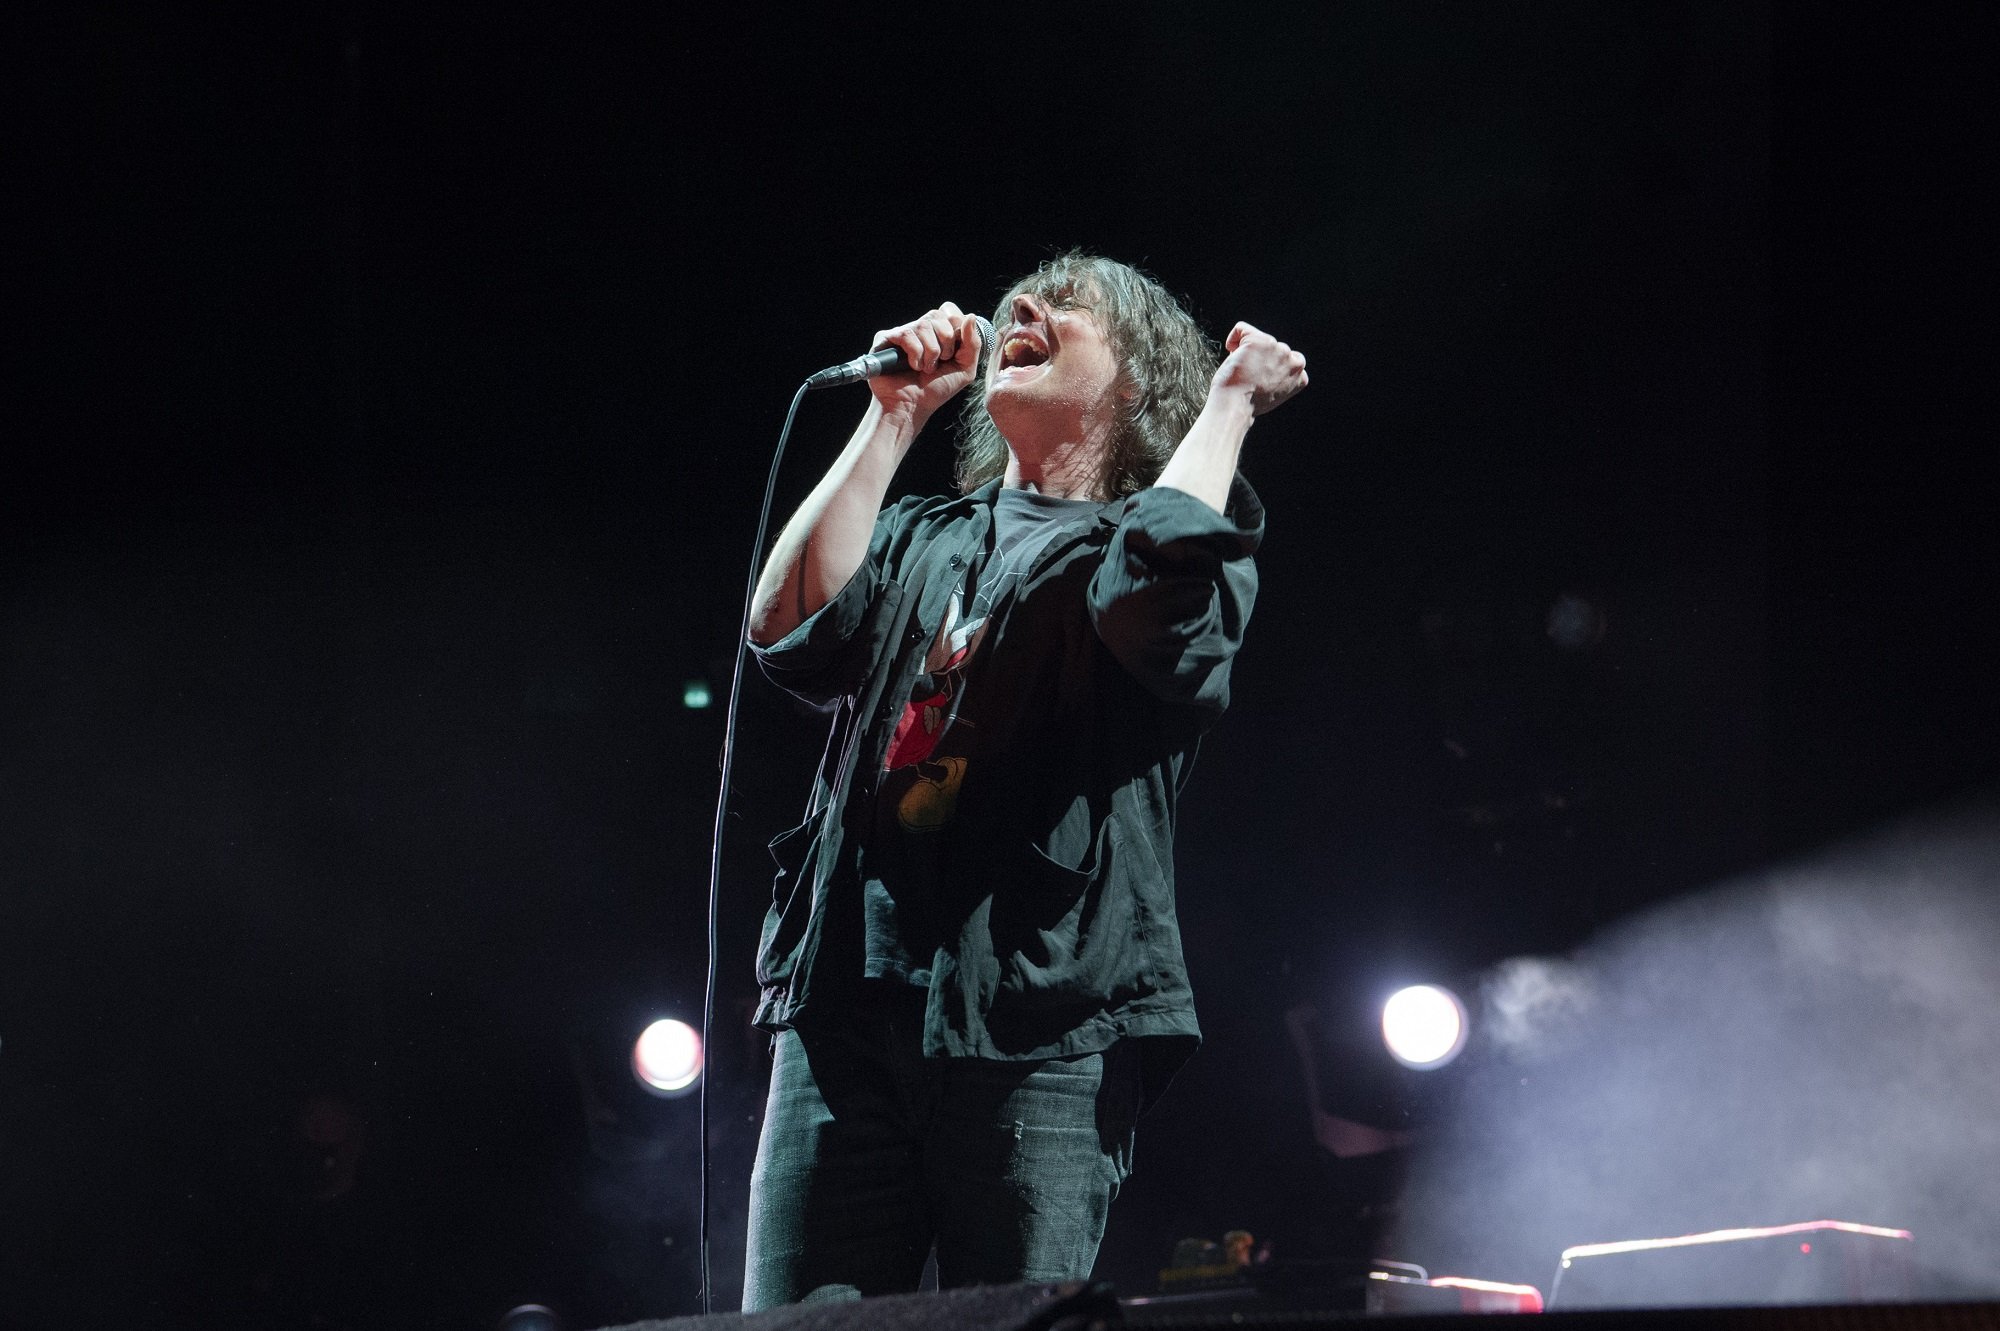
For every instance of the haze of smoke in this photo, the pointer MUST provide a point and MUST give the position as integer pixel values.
(1816, 1043)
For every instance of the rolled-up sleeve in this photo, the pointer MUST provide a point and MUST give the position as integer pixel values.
(825, 657)
(1172, 597)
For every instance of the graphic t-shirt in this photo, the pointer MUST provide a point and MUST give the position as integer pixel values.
(937, 740)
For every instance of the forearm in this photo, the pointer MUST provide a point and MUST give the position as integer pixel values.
(825, 541)
(1204, 464)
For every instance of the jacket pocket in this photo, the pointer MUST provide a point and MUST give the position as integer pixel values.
(1040, 890)
(791, 850)
(1092, 858)
(791, 902)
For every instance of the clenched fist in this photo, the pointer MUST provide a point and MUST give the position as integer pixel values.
(1259, 366)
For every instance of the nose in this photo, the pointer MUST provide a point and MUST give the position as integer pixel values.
(1024, 309)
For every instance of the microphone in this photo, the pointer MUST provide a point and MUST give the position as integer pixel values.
(890, 361)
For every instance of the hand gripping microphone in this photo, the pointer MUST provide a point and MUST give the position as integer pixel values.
(889, 360)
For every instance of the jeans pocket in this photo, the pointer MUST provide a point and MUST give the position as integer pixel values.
(1120, 1094)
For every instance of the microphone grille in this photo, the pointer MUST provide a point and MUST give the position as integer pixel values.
(986, 340)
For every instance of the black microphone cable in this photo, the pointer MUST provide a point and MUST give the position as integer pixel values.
(861, 367)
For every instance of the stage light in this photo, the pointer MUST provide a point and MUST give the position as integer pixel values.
(666, 1058)
(1424, 1026)
(695, 694)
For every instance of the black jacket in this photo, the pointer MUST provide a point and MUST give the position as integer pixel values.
(1112, 659)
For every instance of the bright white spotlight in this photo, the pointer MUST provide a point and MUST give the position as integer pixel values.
(666, 1058)
(1424, 1026)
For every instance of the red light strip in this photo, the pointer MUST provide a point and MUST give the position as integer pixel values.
(1485, 1286)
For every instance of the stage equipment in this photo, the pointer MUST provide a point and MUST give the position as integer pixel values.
(1071, 1306)
(1313, 1289)
(1392, 1292)
(1818, 1261)
(1080, 1307)
(1822, 1317)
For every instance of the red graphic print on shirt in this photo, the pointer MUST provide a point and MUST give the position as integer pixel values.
(935, 699)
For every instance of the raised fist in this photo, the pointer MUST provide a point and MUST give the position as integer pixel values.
(1260, 367)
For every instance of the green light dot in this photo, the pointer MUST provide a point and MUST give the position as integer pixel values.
(695, 693)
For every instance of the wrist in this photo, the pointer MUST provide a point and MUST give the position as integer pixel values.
(894, 426)
(1231, 408)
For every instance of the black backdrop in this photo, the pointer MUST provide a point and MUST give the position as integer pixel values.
(389, 406)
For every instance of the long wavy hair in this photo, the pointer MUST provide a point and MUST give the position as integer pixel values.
(1165, 357)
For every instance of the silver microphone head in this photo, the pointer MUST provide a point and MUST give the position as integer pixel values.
(986, 340)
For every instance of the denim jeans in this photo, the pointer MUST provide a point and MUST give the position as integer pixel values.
(872, 1155)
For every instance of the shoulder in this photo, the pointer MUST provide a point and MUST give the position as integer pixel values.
(915, 524)
(929, 515)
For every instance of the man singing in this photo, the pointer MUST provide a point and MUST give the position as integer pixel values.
(972, 964)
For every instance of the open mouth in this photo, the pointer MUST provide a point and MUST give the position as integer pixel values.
(1020, 351)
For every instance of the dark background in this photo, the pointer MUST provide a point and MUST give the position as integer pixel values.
(389, 404)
